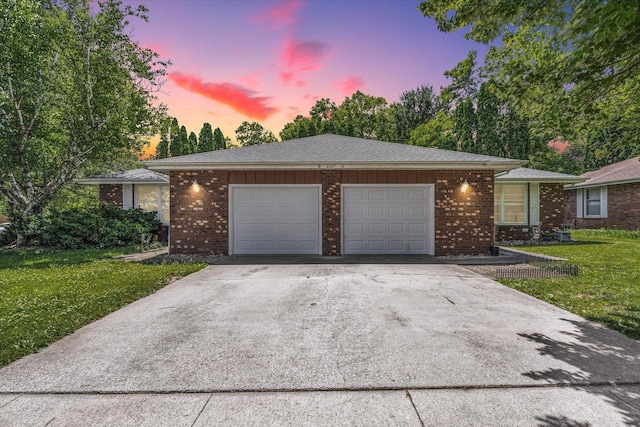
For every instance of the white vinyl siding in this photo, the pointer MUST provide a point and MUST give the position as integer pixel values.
(510, 204)
(153, 198)
(388, 219)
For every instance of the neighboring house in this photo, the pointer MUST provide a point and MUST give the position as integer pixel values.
(608, 198)
(529, 202)
(139, 188)
(332, 195)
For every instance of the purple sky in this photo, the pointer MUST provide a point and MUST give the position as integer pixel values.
(270, 60)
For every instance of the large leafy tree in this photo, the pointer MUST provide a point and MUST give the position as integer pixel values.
(252, 133)
(436, 133)
(75, 91)
(569, 65)
(300, 127)
(415, 107)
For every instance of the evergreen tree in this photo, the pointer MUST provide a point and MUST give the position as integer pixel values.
(192, 143)
(162, 149)
(219, 140)
(184, 141)
(488, 122)
(175, 147)
(464, 126)
(205, 140)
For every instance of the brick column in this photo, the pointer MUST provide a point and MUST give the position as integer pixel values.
(331, 212)
(551, 207)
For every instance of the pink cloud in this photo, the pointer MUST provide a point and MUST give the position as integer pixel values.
(300, 56)
(285, 77)
(349, 85)
(282, 13)
(252, 80)
(304, 55)
(236, 97)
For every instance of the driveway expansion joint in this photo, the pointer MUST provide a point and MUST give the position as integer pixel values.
(329, 389)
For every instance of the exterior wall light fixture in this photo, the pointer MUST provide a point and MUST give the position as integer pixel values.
(195, 185)
(465, 186)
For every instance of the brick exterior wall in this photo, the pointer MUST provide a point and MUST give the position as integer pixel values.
(551, 207)
(111, 193)
(623, 208)
(463, 221)
(199, 220)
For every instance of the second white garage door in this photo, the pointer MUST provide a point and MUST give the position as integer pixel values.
(275, 219)
(388, 219)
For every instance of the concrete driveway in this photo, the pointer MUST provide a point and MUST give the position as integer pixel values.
(330, 344)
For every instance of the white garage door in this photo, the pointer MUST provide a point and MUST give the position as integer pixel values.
(388, 219)
(275, 219)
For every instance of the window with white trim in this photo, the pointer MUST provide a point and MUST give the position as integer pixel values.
(592, 202)
(153, 198)
(510, 204)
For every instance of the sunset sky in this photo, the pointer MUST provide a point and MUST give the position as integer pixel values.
(268, 61)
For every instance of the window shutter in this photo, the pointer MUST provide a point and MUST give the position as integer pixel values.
(534, 204)
(603, 202)
(579, 203)
(127, 196)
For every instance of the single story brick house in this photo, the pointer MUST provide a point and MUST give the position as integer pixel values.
(608, 198)
(138, 188)
(333, 195)
(529, 202)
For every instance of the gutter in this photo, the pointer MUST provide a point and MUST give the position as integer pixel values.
(191, 166)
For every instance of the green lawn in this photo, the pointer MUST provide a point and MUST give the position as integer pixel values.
(608, 287)
(45, 295)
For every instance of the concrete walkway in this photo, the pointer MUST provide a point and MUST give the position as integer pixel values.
(330, 344)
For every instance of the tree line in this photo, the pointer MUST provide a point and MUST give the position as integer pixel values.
(175, 142)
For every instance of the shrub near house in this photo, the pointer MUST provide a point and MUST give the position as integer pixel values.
(102, 227)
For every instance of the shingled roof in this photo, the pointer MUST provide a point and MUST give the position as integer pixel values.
(618, 173)
(135, 176)
(536, 175)
(332, 151)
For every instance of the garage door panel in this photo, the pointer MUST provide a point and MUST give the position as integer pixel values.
(417, 228)
(396, 195)
(275, 220)
(376, 245)
(396, 245)
(376, 195)
(417, 195)
(376, 228)
(388, 219)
